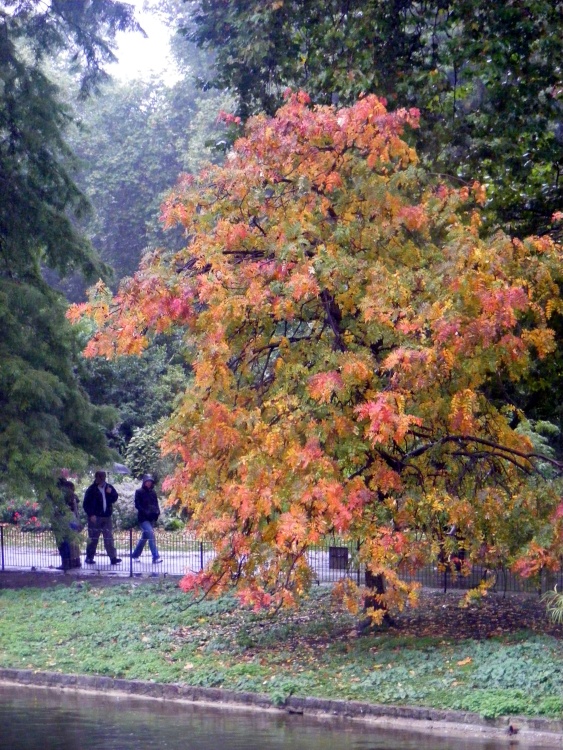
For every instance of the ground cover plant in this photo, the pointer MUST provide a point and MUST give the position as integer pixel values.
(500, 656)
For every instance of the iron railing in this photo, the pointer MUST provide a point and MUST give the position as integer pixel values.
(181, 553)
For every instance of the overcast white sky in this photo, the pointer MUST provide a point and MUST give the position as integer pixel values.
(139, 57)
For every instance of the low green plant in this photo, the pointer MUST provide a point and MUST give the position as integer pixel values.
(153, 631)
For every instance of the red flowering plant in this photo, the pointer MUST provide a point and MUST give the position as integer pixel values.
(26, 514)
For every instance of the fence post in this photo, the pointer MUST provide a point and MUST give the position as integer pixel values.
(130, 553)
(2, 544)
(201, 555)
(358, 573)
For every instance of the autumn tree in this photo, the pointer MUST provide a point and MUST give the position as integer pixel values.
(351, 333)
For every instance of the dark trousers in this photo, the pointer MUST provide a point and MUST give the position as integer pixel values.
(102, 525)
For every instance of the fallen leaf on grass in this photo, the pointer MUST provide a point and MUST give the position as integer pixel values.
(464, 662)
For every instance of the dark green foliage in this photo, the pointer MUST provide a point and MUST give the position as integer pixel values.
(38, 195)
(143, 454)
(486, 76)
(47, 422)
(82, 30)
(142, 389)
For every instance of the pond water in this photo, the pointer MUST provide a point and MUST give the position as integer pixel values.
(37, 719)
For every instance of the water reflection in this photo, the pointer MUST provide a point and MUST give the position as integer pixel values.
(35, 719)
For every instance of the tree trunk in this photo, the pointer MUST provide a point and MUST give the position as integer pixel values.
(375, 584)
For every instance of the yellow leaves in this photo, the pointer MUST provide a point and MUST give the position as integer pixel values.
(553, 306)
(464, 408)
(475, 594)
(347, 592)
(543, 340)
(356, 371)
(376, 615)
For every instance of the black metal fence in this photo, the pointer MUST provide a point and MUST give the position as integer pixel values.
(181, 553)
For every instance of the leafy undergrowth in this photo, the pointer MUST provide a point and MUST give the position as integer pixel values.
(486, 659)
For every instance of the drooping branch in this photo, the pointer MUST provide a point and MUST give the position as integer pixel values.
(464, 439)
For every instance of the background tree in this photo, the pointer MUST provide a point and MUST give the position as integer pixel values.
(352, 330)
(141, 390)
(132, 140)
(47, 421)
(486, 77)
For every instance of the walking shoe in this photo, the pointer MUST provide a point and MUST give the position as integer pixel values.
(135, 557)
(158, 560)
(115, 560)
(88, 561)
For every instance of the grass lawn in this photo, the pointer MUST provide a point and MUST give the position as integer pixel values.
(152, 631)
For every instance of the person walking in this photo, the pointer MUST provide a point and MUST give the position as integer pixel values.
(71, 499)
(98, 503)
(148, 512)
(66, 523)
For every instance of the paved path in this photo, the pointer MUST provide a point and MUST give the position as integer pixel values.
(176, 562)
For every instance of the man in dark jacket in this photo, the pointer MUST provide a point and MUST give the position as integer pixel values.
(148, 512)
(98, 505)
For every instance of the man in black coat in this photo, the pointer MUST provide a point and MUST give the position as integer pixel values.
(148, 512)
(98, 505)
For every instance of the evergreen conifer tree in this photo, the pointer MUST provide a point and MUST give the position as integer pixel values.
(46, 420)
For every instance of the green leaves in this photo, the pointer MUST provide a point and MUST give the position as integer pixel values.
(486, 79)
(47, 422)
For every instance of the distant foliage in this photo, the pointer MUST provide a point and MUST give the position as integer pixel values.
(486, 77)
(143, 452)
(47, 421)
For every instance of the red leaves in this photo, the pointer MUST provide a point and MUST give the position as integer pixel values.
(323, 385)
(387, 421)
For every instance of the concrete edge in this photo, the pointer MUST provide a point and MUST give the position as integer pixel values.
(518, 730)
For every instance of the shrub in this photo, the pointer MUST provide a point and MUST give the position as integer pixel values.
(24, 513)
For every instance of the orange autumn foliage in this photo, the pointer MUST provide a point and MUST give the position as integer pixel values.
(348, 322)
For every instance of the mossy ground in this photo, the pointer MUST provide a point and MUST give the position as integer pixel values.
(500, 657)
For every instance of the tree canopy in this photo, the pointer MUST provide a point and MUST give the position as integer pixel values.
(133, 141)
(47, 421)
(486, 77)
(352, 334)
